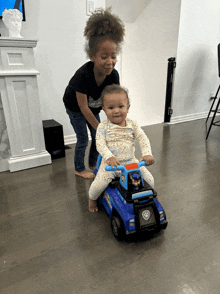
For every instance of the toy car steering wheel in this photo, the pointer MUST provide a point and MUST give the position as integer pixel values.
(122, 167)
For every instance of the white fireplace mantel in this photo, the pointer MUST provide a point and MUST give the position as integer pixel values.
(21, 105)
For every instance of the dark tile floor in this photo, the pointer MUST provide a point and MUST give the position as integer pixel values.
(51, 243)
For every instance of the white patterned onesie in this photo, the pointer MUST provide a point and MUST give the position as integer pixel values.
(113, 140)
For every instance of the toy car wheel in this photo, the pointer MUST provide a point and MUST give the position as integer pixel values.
(165, 226)
(117, 228)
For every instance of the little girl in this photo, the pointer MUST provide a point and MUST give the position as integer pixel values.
(115, 142)
(104, 33)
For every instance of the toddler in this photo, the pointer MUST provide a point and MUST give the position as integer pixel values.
(115, 141)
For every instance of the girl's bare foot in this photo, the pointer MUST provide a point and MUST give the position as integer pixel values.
(85, 174)
(92, 167)
(93, 205)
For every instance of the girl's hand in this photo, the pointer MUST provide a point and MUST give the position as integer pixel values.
(86, 111)
(112, 161)
(148, 159)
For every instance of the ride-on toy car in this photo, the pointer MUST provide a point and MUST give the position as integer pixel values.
(131, 202)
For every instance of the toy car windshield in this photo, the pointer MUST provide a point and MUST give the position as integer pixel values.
(131, 183)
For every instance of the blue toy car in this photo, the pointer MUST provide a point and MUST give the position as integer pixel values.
(131, 202)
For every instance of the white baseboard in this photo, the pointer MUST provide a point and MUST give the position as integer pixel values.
(71, 139)
(30, 161)
(190, 117)
(68, 140)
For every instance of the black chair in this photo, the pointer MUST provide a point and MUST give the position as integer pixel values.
(213, 108)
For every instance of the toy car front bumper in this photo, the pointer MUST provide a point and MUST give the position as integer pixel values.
(130, 232)
(163, 224)
(150, 228)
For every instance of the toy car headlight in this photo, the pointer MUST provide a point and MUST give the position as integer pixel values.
(146, 214)
(132, 222)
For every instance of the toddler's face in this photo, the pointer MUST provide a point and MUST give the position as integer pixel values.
(105, 58)
(116, 108)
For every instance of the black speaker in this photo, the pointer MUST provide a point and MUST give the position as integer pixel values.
(53, 136)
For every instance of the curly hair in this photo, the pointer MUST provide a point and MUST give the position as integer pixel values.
(103, 25)
(114, 88)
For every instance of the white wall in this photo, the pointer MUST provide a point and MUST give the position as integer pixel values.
(150, 41)
(129, 10)
(196, 74)
(4, 141)
(59, 26)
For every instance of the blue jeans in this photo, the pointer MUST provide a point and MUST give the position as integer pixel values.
(79, 123)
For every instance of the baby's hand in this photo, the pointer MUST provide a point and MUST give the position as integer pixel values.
(112, 161)
(148, 159)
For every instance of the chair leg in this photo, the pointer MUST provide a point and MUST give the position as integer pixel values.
(212, 104)
(216, 109)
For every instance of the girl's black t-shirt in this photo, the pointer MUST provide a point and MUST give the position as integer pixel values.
(84, 82)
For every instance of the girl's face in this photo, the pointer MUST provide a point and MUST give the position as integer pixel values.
(105, 58)
(116, 108)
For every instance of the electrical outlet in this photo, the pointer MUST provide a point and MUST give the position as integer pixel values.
(89, 7)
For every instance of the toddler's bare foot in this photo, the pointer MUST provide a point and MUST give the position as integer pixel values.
(92, 167)
(85, 174)
(93, 205)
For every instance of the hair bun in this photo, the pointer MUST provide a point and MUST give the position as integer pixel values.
(103, 22)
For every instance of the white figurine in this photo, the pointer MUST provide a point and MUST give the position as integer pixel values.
(12, 19)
